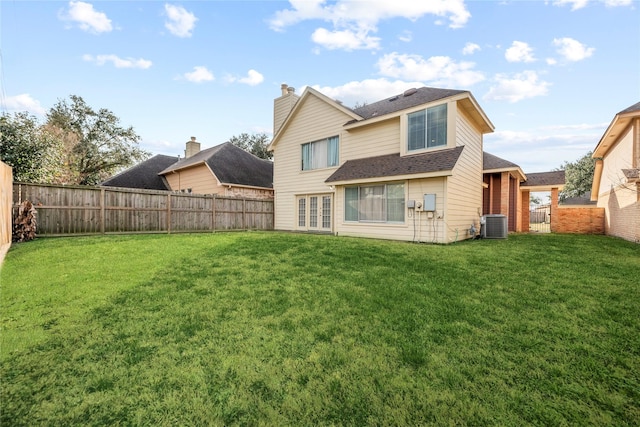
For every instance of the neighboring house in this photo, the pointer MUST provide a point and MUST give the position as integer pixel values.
(409, 167)
(223, 170)
(616, 180)
(144, 175)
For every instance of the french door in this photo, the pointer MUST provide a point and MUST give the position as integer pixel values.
(315, 212)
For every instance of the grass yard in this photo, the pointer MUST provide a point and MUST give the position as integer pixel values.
(304, 330)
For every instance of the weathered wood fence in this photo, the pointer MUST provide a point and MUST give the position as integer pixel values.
(73, 210)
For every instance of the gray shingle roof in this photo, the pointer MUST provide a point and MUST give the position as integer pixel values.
(394, 165)
(634, 107)
(491, 162)
(231, 165)
(544, 179)
(143, 175)
(399, 102)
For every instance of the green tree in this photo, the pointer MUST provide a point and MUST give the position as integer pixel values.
(102, 146)
(255, 144)
(578, 176)
(32, 151)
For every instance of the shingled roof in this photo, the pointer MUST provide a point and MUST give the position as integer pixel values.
(491, 162)
(394, 165)
(231, 165)
(410, 98)
(143, 175)
(545, 179)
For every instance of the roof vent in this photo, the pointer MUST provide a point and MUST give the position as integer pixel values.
(395, 98)
(410, 92)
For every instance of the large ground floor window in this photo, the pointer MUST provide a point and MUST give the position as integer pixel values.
(374, 203)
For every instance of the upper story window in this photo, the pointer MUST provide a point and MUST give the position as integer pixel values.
(320, 154)
(427, 128)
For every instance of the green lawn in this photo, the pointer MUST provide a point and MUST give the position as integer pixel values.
(289, 329)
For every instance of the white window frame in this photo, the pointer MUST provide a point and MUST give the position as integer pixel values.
(368, 199)
(319, 154)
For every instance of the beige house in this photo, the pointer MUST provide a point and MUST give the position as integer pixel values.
(616, 180)
(224, 170)
(409, 167)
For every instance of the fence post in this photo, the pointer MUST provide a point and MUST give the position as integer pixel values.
(169, 213)
(103, 202)
(244, 214)
(213, 212)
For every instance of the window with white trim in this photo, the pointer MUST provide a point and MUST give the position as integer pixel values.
(427, 128)
(320, 154)
(374, 203)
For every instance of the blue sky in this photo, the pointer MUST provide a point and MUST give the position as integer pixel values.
(550, 75)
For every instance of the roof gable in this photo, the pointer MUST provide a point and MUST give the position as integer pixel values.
(615, 129)
(300, 103)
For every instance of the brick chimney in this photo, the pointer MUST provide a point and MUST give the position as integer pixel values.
(283, 105)
(193, 147)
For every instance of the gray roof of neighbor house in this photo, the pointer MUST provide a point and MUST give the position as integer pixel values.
(585, 199)
(394, 165)
(410, 98)
(231, 165)
(143, 175)
(490, 162)
(544, 179)
(634, 107)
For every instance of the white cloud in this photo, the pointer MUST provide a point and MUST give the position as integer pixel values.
(118, 62)
(470, 48)
(198, 75)
(181, 22)
(406, 36)
(521, 86)
(347, 39)
(572, 50)
(87, 18)
(253, 78)
(366, 91)
(575, 4)
(437, 70)
(24, 102)
(579, 4)
(519, 52)
(354, 20)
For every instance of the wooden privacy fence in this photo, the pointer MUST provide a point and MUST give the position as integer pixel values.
(66, 210)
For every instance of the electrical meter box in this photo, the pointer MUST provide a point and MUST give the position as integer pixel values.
(429, 204)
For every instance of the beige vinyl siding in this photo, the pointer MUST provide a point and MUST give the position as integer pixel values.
(424, 227)
(620, 199)
(314, 120)
(199, 178)
(617, 158)
(464, 187)
(377, 139)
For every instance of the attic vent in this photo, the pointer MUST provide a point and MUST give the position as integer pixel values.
(395, 98)
(410, 92)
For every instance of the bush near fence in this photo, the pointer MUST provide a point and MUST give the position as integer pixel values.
(74, 210)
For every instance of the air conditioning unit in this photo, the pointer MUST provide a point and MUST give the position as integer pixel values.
(494, 227)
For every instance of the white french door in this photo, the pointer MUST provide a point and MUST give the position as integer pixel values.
(314, 212)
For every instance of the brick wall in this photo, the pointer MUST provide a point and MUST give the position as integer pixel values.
(578, 220)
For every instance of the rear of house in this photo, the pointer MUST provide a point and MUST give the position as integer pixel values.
(408, 167)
